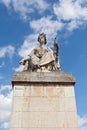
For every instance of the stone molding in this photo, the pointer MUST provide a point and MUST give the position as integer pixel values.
(43, 77)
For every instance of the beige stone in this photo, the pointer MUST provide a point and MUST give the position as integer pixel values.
(60, 91)
(19, 128)
(42, 104)
(60, 104)
(69, 91)
(74, 128)
(21, 103)
(21, 90)
(26, 119)
(49, 91)
(47, 107)
(43, 119)
(44, 77)
(70, 104)
(48, 128)
(39, 128)
(16, 120)
(70, 120)
(36, 90)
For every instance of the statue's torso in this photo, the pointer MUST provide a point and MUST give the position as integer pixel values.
(42, 55)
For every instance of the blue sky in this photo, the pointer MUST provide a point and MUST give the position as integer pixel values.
(20, 23)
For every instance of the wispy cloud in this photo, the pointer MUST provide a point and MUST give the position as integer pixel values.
(19, 68)
(47, 25)
(7, 88)
(6, 2)
(7, 50)
(74, 13)
(26, 7)
(82, 122)
(5, 106)
(71, 13)
(29, 43)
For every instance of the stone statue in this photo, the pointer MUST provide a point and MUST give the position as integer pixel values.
(55, 53)
(42, 58)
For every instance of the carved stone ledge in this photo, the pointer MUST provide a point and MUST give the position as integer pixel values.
(43, 77)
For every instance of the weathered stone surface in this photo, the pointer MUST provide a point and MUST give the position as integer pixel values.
(17, 128)
(45, 77)
(16, 119)
(42, 58)
(39, 105)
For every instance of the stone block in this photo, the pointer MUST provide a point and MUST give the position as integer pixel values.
(60, 91)
(43, 101)
(49, 90)
(36, 91)
(19, 128)
(35, 119)
(26, 119)
(21, 90)
(43, 104)
(70, 120)
(21, 104)
(74, 128)
(69, 91)
(43, 77)
(60, 119)
(44, 128)
(16, 120)
(42, 119)
(60, 104)
(49, 119)
(70, 104)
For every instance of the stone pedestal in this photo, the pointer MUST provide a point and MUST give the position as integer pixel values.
(43, 101)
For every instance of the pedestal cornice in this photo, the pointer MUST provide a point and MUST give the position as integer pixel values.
(43, 77)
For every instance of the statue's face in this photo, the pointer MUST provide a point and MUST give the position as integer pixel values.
(42, 39)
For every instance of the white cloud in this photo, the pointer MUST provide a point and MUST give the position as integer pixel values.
(74, 13)
(48, 26)
(5, 106)
(5, 125)
(71, 10)
(5, 87)
(82, 122)
(29, 43)
(26, 7)
(6, 2)
(71, 13)
(7, 50)
(19, 68)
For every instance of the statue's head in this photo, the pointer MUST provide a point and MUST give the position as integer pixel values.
(42, 38)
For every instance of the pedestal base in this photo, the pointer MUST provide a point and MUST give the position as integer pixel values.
(43, 105)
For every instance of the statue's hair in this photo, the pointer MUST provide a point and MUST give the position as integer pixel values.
(44, 35)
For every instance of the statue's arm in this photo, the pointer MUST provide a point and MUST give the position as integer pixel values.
(23, 61)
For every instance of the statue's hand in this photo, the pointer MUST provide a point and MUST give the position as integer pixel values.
(22, 62)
